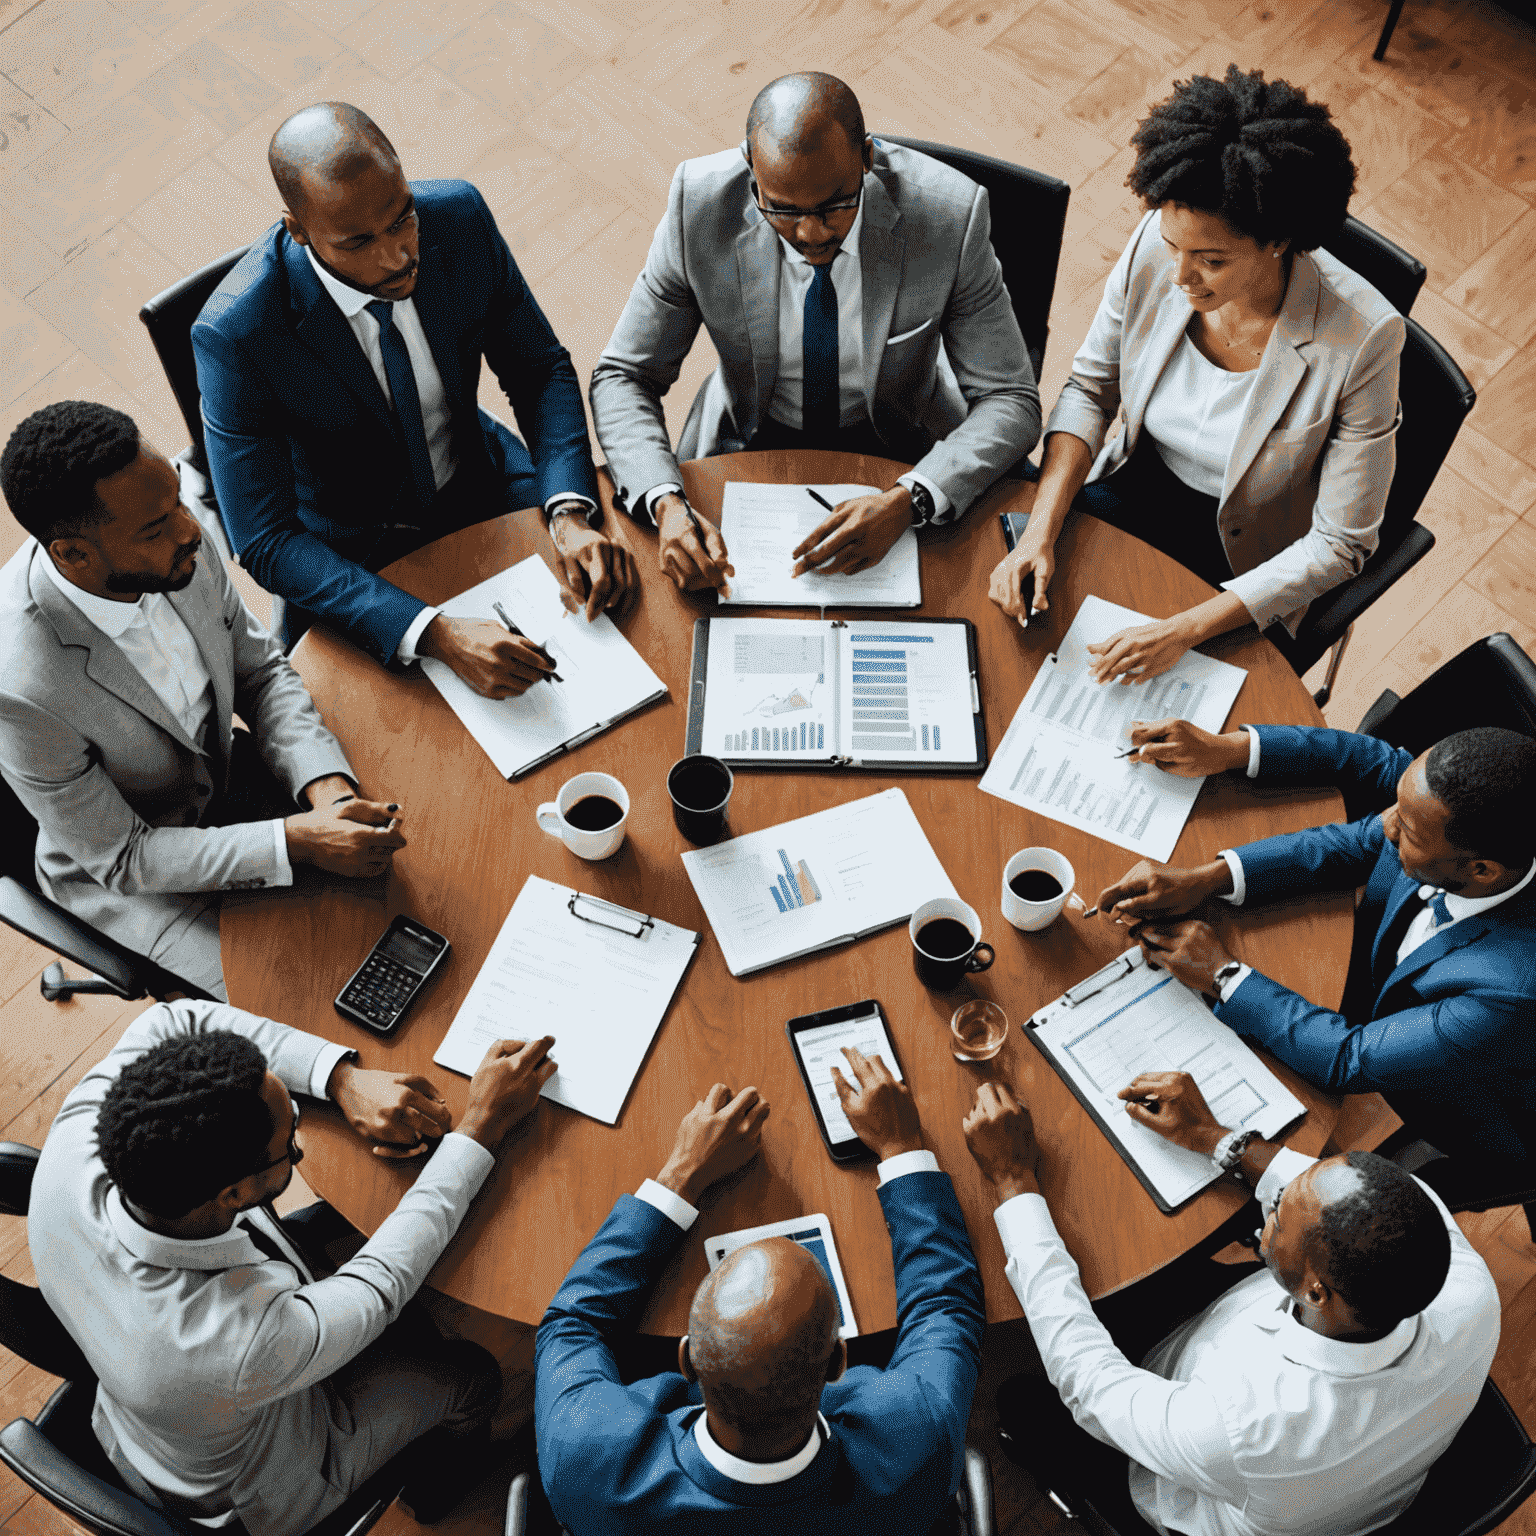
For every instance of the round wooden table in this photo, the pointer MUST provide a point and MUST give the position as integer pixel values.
(473, 841)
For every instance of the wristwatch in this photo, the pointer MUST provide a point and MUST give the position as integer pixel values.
(1228, 1152)
(1225, 974)
(922, 505)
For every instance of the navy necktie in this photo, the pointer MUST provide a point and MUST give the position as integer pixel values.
(818, 389)
(1438, 907)
(402, 388)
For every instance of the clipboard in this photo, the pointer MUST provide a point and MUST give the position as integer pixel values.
(1249, 1084)
(870, 762)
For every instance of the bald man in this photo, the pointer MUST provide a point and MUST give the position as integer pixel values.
(853, 299)
(339, 364)
(1309, 1394)
(762, 1428)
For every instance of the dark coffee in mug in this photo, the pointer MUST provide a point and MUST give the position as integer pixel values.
(1035, 885)
(945, 938)
(700, 787)
(593, 813)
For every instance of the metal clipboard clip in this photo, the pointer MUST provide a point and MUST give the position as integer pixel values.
(604, 913)
(1101, 980)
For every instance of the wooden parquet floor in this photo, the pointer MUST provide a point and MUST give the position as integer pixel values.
(132, 141)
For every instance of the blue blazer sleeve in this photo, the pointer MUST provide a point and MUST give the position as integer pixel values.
(1298, 754)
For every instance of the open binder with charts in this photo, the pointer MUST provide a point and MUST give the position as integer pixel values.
(878, 694)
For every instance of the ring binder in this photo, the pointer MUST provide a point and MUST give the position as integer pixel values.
(642, 921)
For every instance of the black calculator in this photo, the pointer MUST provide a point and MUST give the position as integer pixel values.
(386, 983)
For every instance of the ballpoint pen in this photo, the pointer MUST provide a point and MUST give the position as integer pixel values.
(1129, 752)
(512, 629)
(820, 501)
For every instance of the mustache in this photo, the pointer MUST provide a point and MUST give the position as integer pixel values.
(399, 277)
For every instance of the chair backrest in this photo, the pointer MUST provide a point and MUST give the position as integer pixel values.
(168, 317)
(1492, 682)
(1029, 215)
(18, 838)
(1388, 268)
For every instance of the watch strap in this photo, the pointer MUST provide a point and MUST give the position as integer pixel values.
(922, 505)
(1228, 1152)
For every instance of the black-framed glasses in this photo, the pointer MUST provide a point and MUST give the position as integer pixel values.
(293, 1153)
(793, 215)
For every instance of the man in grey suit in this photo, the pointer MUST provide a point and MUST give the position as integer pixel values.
(855, 302)
(238, 1375)
(123, 659)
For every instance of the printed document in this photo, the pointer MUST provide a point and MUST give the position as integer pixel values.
(761, 524)
(1143, 1020)
(1060, 756)
(605, 677)
(810, 884)
(588, 978)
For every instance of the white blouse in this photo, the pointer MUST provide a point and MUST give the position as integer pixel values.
(1193, 415)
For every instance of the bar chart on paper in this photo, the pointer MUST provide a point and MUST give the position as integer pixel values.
(782, 701)
(793, 885)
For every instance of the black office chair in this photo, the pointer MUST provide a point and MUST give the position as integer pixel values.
(57, 1454)
(1029, 214)
(1436, 398)
(973, 1512)
(1387, 267)
(116, 968)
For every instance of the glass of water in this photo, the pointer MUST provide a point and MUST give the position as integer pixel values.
(977, 1030)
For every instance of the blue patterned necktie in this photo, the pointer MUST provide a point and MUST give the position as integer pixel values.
(402, 389)
(818, 389)
(1441, 912)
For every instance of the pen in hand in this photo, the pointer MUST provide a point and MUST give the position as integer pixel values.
(819, 499)
(512, 629)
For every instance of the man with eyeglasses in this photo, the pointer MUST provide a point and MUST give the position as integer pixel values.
(1309, 1394)
(339, 364)
(854, 301)
(240, 1376)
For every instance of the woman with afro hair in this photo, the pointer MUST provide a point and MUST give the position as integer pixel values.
(1256, 374)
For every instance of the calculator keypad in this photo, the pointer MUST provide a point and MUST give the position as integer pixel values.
(382, 989)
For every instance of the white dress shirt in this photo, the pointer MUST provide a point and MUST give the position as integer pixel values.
(160, 648)
(1193, 416)
(1243, 1422)
(1419, 931)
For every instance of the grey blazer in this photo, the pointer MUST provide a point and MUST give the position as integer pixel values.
(1307, 479)
(121, 793)
(929, 275)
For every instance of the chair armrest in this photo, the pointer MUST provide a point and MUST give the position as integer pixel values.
(976, 1486)
(1335, 611)
(517, 1506)
(96, 1505)
(48, 924)
(18, 1162)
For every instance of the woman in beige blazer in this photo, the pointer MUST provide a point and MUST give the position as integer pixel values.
(1256, 376)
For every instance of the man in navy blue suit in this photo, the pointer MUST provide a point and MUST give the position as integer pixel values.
(762, 1426)
(1437, 1012)
(339, 363)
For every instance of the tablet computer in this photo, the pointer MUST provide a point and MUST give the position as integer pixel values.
(814, 1234)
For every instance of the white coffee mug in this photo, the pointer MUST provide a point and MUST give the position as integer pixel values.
(1032, 916)
(587, 843)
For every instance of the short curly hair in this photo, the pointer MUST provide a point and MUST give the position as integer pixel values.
(1255, 152)
(1486, 779)
(185, 1120)
(53, 460)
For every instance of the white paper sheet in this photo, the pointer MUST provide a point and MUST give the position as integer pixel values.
(908, 692)
(1059, 756)
(605, 677)
(1149, 1021)
(815, 882)
(821, 1049)
(761, 524)
(600, 992)
(772, 689)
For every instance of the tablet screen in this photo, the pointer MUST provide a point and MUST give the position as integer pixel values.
(821, 1049)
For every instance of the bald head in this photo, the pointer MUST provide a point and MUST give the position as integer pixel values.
(761, 1334)
(792, 116)
(324, 147)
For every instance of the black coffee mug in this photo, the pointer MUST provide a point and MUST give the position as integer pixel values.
(947, 943)
(700, 787)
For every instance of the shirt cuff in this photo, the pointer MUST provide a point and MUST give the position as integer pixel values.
(573, 500)
(920, 1161)
(1239, 892)
(284, 873)
(1234, 981)
(325, 1064)
(666, 488)
(672, 1206)
(405, 652)
(1023, 1220)
(943, 507)
(1253, 752)
(1284, 1167)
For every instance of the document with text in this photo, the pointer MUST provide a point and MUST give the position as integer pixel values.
(1127, 1019)
(1061, 754)
(761, 524)
(596, 976)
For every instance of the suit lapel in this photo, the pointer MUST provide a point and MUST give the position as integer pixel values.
(432, 301)
(1168, 328)
(1403, 891)
(1280, 370)
(197, 609)
(881, 250)
(105, 664)
(1436, 948)
(757, 272)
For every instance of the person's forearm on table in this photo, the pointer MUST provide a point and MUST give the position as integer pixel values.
(1064, 470)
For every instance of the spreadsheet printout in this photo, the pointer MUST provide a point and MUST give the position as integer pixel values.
(1149, 1021)
(1060, 754)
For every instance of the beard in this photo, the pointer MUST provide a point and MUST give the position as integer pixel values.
(153, 581)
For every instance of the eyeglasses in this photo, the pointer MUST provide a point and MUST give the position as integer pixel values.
(793, 215)
(292, 1153)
